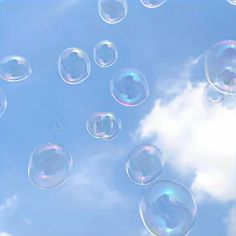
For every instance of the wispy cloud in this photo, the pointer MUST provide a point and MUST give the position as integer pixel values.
(9, 203)
(230, 221)
(5, 234)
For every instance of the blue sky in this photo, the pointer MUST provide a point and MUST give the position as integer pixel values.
(167, 45)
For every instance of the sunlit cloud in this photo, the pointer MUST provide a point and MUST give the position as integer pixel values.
(5, 234)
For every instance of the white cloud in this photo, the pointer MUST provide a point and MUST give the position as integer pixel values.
(9, 203)
(5, 234)
(231, 223)
(196, 138)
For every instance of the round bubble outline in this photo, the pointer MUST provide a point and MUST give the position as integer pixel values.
(4, 102)
(151, 6)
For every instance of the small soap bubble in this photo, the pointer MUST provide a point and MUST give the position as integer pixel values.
(105, 53)
(112, 11)
(49, 166)
(168, 208)
(213, 95)
(15, 68)
(129, 87)
(3, 102)
(152, 3)
(220, 66)
(233, 2)
(104, 125)
(74, 65)
(144, 164)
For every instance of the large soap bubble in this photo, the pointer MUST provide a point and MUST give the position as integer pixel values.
(213, 95)
(152, 3)
(220, 66)
(233, 2)
(49, 166)
(168, 208)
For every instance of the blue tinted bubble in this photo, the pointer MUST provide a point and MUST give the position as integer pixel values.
(3, 102)
(74, 65)
(144, 164)
(213, 95)
(105, 53)
(168, 209)
(129, 87)
(104, 125)
(113, 11)
(14, 68)
(49, 166)
(220, 66)
(152, 3)
(233, 2)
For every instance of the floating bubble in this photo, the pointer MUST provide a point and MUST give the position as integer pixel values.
(144, 164)
(233, 2)
(168, 209)
(14, 68)
(213, 95)
(112, 11)
(220, 67)
(105, 53)
(129, 87)
(3, 102)
(74, 65)
(49, 166)
(152, 3)
(104, 125)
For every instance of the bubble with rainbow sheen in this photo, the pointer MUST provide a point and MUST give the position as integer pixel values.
(49, 166)
(168, 208)
(233, 2)
(129, 87)
(15, 68)
(74, 65)
(112, 11)
(213, 95)
(105, 53)
(144, 164)
(104, 125)
(152, 3)
(220, 66)
(3, 102)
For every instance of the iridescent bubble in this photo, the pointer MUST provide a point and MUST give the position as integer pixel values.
(3, 102)
(129, 87)
(112, 11)
(105, 53)
(213, 95)
(152, 3)
(233, 2)
(74, 65)
(144, 164)
(104, 125)
(168, 208)
(49, 166)
(220, 66)
(14, 68)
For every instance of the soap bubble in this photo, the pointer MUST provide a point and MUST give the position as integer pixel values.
(49, 166)
(14, 68)
(3, 102)
(213, 95)
(233, 2)
(152, 3)
(144, 164)
(113, 11)
(220, 66)
(129, 87)
(168, 209)
(105, 53)
(74, 65)
(104, 125)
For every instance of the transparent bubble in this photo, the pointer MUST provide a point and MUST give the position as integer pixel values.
(220, 66)
(14, 68)
(113, 11)
(213, 95)
(74, 65)
(49, 166)
(105, 53)
(129, 87)
(152, 3)
(233, 2)
(104, 125)
(3, 102)
(168, 209)
(144, 164)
